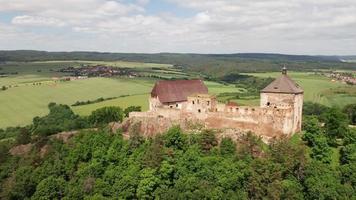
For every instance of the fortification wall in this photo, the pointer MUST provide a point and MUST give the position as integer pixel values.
(265, 122)
(152, 123)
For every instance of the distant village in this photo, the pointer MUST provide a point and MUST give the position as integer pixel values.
(98, 71)
(344, 77)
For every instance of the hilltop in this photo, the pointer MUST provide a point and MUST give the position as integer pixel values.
(243, 62)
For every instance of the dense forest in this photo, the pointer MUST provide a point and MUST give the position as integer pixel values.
(211, 64)
(97, 163)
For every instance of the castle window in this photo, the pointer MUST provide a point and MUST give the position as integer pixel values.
(193, 102)
(199, 111)
(237, 109)
(171, 106)
(208, 102)
(253, 109)
(268, 103)
(177, 105)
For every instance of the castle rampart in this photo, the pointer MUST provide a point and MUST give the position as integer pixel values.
(187, 102)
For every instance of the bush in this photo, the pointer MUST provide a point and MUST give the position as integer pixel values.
(350, 111)
(132, 109)
(317, 109)
(24, 137)
(227, 147)
(321, 150)
(336, 124)
(60, 118)
(207, 140)
(106, 115)
(174, 138)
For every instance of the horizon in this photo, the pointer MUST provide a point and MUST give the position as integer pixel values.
(299, 27)
(112, 52)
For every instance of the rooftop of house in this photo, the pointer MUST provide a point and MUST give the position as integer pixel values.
(177, 90)
(283, 84)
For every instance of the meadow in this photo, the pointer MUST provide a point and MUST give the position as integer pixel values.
(319, 89)
(26, 98)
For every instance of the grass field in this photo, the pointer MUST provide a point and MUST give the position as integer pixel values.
(24, 100)
(19, 105)
(319, 89)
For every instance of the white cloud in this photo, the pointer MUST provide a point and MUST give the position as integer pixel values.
(218, 26)
(36, 21)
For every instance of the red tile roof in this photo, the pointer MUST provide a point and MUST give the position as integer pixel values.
(177, 90)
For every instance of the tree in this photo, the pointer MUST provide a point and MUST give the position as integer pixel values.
(323, 182)
(3, 88)
(227, 146)
(60, 118)
(316, 109)
(50, 188)
(336, 124)
(348, 154)
(106, 115)
(135, 136)
(207, 140)
(321, 150)
(290, 155)
(312, 128)
(291, 189)
(24, 137)
(175, 139)
(350, 111)
(250, 145)
(147, 184)
(265, 180)
(154, 154)
(132, 109)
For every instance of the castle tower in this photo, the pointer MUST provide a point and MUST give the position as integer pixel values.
(284, 93)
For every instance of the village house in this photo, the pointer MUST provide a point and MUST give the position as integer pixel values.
(184, 102)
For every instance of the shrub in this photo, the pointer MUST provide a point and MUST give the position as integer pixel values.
(131, 109)
(106, 115)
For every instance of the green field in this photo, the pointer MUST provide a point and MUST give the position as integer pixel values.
(25, 100)
(319, 89)
(20, 104)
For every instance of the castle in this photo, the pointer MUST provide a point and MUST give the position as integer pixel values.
(185, 102)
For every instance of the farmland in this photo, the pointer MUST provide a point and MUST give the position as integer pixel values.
(31, 87)
(320, 89)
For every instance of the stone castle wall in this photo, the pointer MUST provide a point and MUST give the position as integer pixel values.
(265, 122)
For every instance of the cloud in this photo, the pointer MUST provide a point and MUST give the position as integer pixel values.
(36, 21)
(216, 26)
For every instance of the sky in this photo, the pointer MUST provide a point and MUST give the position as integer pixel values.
(312, 27)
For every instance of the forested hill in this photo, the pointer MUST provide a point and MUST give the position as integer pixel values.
(209, 63)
